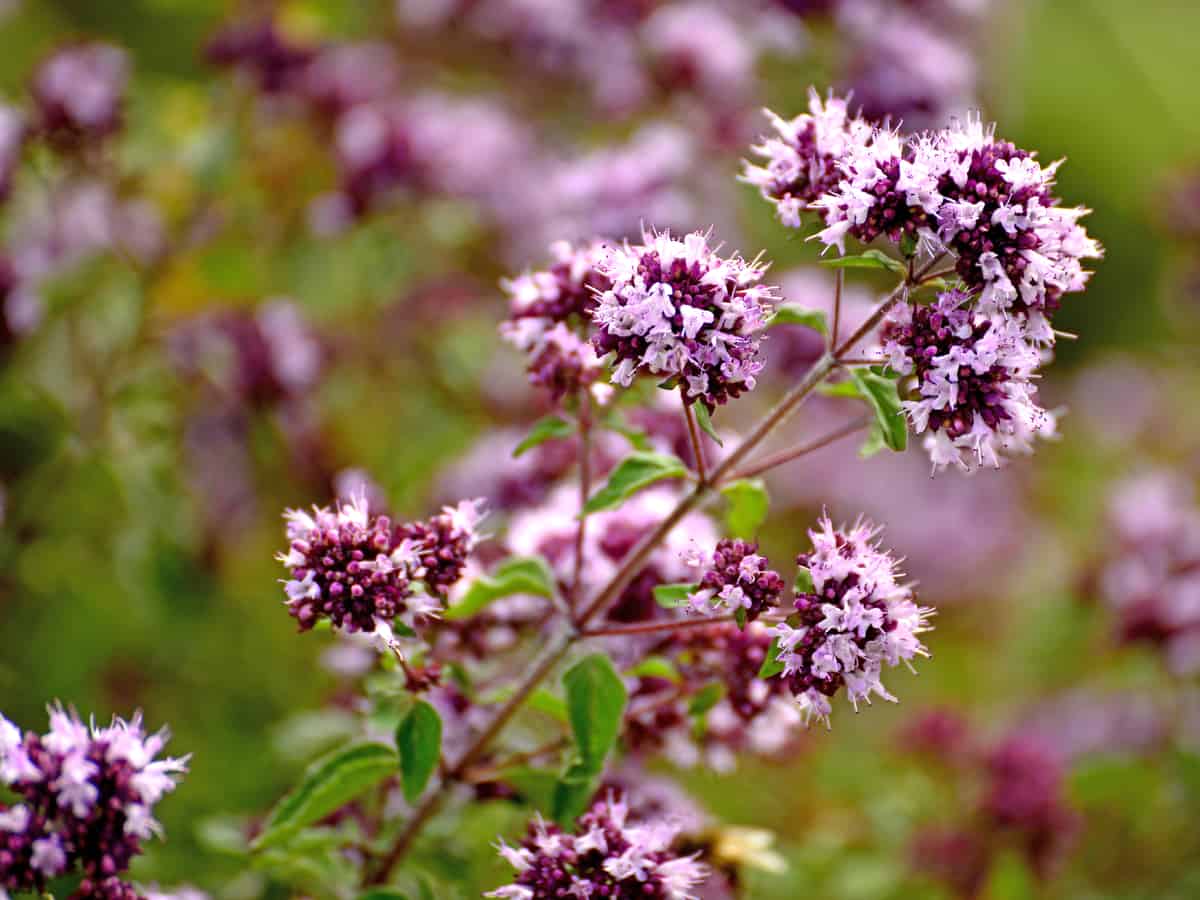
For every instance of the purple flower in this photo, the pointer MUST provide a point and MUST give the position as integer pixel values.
(677, 310)
(79, 91)
(607, 856)
(975, 393)
(857, 618)
(961, 190)
(443, 544)
(802, 161)
(346, 566)
(737, 578)
(13, 130)
(543, 309)
(86, 800)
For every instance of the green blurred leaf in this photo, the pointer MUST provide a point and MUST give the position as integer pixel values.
(870, 259)
(328, 784)
(539, 785)
(596, 700)
(706, 698)
(793, 314)
(419, 740)
(516, 575)
(673, 596)
(655, 667)
(882, 395)
(804, 581)
(544, 430)
(704, 420)
(634, 472)
(771, 665)
(574, 789)
(748, 504)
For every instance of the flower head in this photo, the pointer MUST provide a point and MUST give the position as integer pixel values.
(985, 200)
(444, 542)
(975, 392)
(738, 578)
(347, 566)
(678, 310)
(608, 855)
(802, 159)
(856, 618)
(87, 796)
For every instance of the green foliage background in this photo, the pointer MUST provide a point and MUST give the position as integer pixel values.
(109, 601)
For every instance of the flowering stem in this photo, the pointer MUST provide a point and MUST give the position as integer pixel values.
(694, 434)
(786, 456)
(653, 627)
(630, 566)
(585, 488)
(839, 279)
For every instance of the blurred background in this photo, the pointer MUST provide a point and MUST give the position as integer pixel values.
(250, 259)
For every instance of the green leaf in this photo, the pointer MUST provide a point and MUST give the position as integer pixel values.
(839, 389)
(1010, 879)
(596, 700)
(544, 430)
(544, 701)
(516, 575)
(673, 596)
(634, 472)
(636, 436)
(704, 420)
(771, 666)
(804, 581)
(739, 616)
(419, 739)
(328, 784)
(793, 314)
(881, 393)
(871, 259)
(655, 667)
(382, 893)
(706, 698)
(538, 785)
(748, 504)
(573, 792)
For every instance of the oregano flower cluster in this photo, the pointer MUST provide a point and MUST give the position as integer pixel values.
(608, 855)
(86, 798)
(359, 571)
(857, 618)
(958, 192)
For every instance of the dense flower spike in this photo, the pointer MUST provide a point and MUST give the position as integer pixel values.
(737, 578)
(678, 310)
(856, 618)
(802, 162)
(358, 571)
(607, 856)
(87, 796)
(974, 381)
